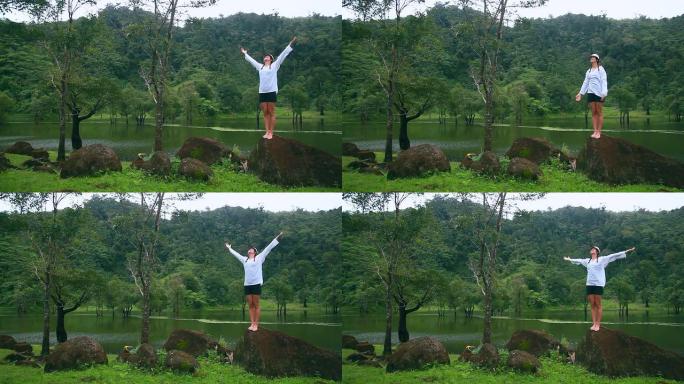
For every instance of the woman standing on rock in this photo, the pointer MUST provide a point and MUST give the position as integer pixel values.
(596, 87)
(268, 84)
(253, 277)
(596, 279)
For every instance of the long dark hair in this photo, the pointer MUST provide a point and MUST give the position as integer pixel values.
(598, 62)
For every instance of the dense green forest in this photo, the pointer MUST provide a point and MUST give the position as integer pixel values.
(192, 270)
(542, 65)
(439, 249)
(208, 74)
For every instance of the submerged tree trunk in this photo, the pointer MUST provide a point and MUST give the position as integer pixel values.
(404, 142)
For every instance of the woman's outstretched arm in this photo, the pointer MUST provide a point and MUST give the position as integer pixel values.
(235, 253)
(249, 58)
(616, 256)
(269, 248)
(284, 53)
(576, 261)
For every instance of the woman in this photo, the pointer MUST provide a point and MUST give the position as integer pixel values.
(596, 279)
(268, 84)
(253, 277)
(596, 87)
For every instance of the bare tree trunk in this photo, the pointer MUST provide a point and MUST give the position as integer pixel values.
(387, 347)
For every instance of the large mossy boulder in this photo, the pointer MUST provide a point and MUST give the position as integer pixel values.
(534, 341)
(349, 149)
(194, 169)
(418, 161)
(618, 161)
(90, 160)
(181, 362)
(418, 353)
(158, 164)
(524, 169)
(290, 163)
(205, 149)
(349, 341)
(487, 356)
(523, 361)
(535, 149)
(614, 353)
(193, 342)
(275, 354)
(74, 354)
(488, 163)
(7, 342)
(20, 148)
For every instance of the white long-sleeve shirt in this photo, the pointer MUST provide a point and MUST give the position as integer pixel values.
(253, 273)
(596, 270)
(596, 82)
(268, 76)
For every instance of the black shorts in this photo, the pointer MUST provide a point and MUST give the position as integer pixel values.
(270, 97)
(594, 290)
(253, 289)
(591, 98)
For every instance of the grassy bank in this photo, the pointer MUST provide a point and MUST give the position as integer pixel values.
(211, 371)
(555, 179)
(134, 180)
(553, 371)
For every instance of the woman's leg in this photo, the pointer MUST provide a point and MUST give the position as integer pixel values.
(594, 118)
(271, 106)
(251, 311)
(599, 125)
(599, 311)
(267, 118)
(590, 298)
(257, 311)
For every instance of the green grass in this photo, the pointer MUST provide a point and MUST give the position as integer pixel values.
(553, 371)
(555, 179)
(134, 180)
(211, 371)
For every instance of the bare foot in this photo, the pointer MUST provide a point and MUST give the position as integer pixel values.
(265, 136)
(598, 327)
(256, 328)
(598, 136)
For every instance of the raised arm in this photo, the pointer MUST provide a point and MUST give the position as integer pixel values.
(582, 262)
(616, 256)
(262, 256)
(283, 54)
(249, 58)
(234, 253)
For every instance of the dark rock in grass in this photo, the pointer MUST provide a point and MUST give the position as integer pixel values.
(5, 164)
(523, 361)
(23, 347)
(158, 164)
(7, 342)
(488, 163)
(349, 341)
(187, 340)
(365, 347)
(419, 161)
(75, 353)
(349, 149)
(90, 160)
(524, 169)
(372, 170)
(181, 362)
(534, 341)
(40, 154)
(365, 155)
(614, 353)
(356, 357)
(618, 161)
(28, 363)
(126, 356)
(205, 149)
(417, 353)
(275, 354)
(195, 169)
(147, 357)
(14, 357)
(359, 164)
(370, 363)
(487, 356)
(535, 149)
(291, 163)
(20, 148)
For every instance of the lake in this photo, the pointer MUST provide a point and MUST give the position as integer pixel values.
(129, 140)
(666, 331)
(659, 135)
(114, 332)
